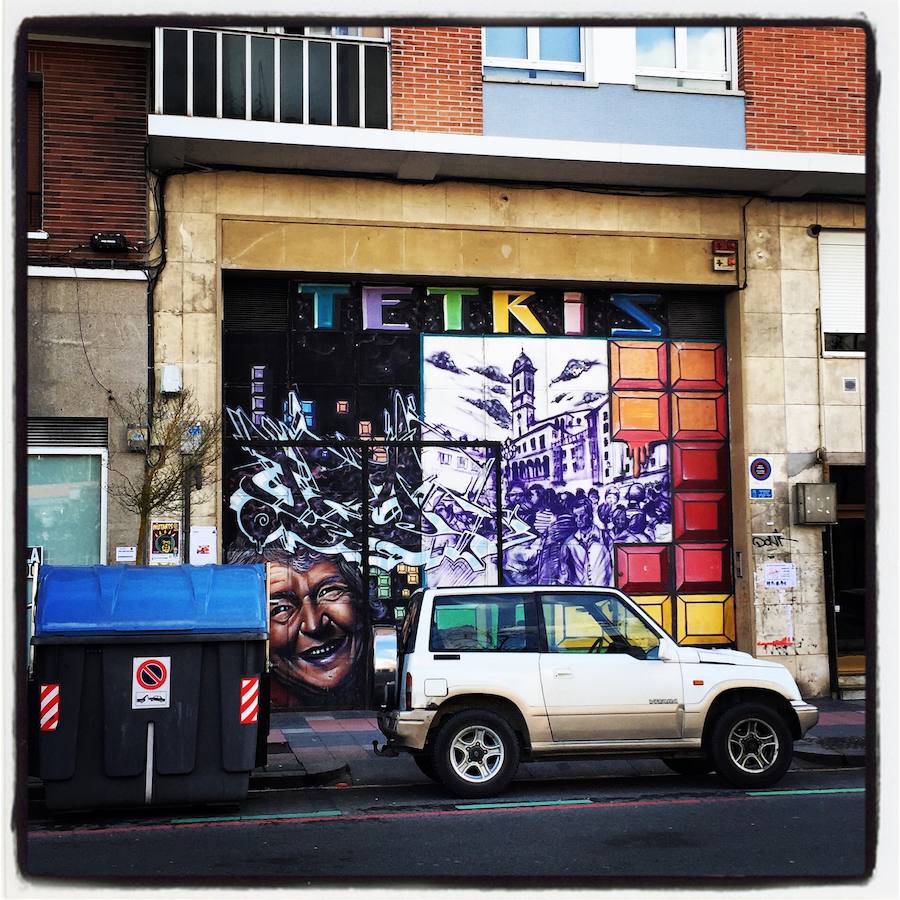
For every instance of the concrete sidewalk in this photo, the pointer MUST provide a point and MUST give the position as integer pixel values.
(317, 748)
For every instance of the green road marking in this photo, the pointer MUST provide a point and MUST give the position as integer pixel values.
(319, 814)
(519, 804)
(814, 791)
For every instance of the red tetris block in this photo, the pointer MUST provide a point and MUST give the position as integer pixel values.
(702, 568)
(700, 466)
(698, 367)
(637, 364)
(700, 517)
(699, 416)
(639, 418)
(642, 568)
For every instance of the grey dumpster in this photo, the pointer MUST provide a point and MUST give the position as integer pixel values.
(148, 683)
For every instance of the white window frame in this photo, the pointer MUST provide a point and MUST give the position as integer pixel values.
(728, 76)
(103, 453)
(838, 236)
(533, 59)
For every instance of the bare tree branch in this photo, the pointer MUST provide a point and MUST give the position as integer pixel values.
(170, 453)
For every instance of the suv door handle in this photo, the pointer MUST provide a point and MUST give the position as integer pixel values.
(562, 673)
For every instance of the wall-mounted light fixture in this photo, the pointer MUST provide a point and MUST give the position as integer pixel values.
(108, 242)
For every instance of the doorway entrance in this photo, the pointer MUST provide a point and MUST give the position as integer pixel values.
(846, 543)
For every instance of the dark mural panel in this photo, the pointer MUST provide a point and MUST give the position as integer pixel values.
(390, 437)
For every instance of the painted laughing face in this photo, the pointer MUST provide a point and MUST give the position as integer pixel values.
(315, 626)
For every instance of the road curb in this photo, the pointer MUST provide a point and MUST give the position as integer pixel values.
(831, 757)
(285, 780)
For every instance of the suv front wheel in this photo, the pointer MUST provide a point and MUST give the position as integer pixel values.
(751, 745)
(476, 754)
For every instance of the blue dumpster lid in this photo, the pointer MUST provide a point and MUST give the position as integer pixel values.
(117, 599)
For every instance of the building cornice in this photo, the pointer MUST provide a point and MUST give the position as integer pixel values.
(179, 142)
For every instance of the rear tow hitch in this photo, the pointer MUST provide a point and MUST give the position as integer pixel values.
(386, 750)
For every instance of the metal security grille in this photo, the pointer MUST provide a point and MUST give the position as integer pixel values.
(67, 432)
(258, 304)
(697, 318)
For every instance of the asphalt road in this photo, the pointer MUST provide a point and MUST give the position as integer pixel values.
(581, 831)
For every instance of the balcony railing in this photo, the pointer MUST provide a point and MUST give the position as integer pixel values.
(272, 78)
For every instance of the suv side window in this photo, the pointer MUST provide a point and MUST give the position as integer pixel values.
(484, 622)
(591, 623)
(410, 624)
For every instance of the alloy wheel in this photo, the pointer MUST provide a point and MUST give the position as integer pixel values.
(753, 745)
(477, 754)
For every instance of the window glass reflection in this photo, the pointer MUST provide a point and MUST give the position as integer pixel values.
(656, 47)
(511, 43)
(562, 44)
(706, 49)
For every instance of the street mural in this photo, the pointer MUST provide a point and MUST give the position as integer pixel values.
(364, 464)
(574, 487)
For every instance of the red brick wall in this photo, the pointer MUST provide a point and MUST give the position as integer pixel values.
(94, 132)
(436, 80)
(806, 88)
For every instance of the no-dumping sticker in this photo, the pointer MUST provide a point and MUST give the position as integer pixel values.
(150, 682)
(762, 479)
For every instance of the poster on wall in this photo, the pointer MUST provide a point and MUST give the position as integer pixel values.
(203, 545)
(467, 437)
(780, 575)
(165, 543)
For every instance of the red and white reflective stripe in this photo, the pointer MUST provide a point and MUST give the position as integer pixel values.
(49, 707)
(249, 700)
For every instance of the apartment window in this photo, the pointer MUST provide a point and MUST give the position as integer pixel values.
(354, 31)
(34, 173)
(67, 504)
(696, 58)
(554, 53)
(273, 75)
(361, 31)
(842, 291)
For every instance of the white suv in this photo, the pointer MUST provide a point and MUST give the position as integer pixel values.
(486, 677)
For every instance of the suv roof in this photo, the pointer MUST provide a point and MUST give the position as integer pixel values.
(527, 589)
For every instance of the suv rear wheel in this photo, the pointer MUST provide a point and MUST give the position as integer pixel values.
(425, 763)
(476, 754)
(751, 745)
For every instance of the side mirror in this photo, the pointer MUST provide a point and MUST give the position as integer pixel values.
(668, 651)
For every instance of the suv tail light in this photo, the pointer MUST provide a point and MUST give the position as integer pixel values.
(408, 698)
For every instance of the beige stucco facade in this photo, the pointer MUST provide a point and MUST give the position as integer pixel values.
(785, 400)
(87, 350)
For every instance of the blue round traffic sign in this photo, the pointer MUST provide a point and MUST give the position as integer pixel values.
(760, 468)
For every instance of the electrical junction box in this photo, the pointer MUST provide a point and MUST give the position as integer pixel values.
(137, 436)
(816, 504)
(724, 255)
(722, 263)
